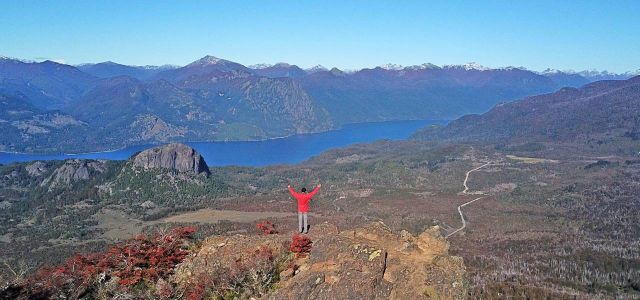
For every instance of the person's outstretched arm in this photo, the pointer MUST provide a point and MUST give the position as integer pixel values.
(292, 191)
(315, 190)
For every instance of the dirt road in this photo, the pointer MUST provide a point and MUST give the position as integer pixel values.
(466, 192)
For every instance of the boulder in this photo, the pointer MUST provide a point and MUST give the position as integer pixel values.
(177, 157)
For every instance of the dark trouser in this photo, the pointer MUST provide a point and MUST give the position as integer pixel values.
(302, 217)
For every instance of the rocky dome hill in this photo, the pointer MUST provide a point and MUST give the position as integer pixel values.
(178, 157)
(368, 262)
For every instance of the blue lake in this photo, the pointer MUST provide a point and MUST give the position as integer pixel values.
(290, 149)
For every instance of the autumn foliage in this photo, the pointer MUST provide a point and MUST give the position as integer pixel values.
(267, 227)
(300, 245)
(144, 268)
(146, 258)
(149, 258)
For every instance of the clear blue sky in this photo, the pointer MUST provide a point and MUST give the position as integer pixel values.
(537, 34)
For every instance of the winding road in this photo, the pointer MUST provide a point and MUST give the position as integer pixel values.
(466, 192)
(466, 178)
(464, 222)
(463, 192)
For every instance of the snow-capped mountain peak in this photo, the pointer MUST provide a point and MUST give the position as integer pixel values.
(594, 75)
(511, 68)
(468, 67)
(317, 68)
(265, 66)
(423, 66)
(474, 66)
(206, 61)
(391, 67)
(162, 67)
(11, 59)
(551, 71)
(594, 72)
(260, 66)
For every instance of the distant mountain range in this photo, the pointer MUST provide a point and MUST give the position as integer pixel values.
(110, 69)
(109, 105)
(598, 113)
(46, 84)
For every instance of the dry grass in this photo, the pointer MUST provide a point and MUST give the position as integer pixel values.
(531, 160)
(117, 225)
(212, 216)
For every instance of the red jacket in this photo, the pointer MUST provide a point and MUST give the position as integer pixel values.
(303, 198)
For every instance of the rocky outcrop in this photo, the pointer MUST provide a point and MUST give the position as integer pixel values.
(372, 262)
(369, 262)
(36, 169)
(73, 170)
(177, 157)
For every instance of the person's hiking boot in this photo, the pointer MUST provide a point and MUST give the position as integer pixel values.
(300, 230)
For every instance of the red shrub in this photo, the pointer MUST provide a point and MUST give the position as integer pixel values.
(184, 232)
(267, 227)
(300, 245)
(197, 291)
(144, 258)
(149, 258)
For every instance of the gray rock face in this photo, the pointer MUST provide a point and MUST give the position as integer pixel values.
(36, 169)
(148, 204)
(72, 171)
(178, 157)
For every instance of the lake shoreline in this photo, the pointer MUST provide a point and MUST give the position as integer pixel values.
(277, 150)
(214, 141)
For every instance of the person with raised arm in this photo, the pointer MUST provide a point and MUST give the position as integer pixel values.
(303, 199)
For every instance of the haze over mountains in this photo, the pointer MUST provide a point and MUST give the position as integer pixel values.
(52, 107)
